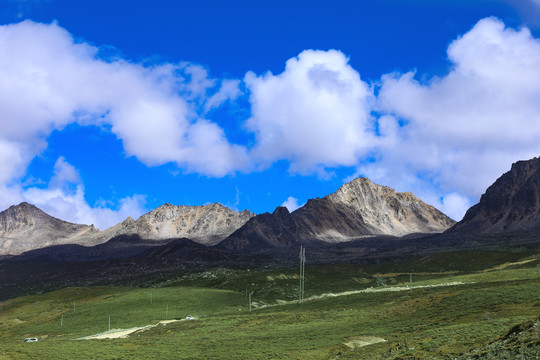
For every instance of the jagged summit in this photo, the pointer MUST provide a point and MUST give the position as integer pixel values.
(24, 227)
(207, 224)
(388, 211)
(511, 204)
(358, 209)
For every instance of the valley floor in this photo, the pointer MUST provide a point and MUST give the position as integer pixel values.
(430, 321)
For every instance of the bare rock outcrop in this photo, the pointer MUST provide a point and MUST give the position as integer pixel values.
(357, 210)
(511, 204)
(522, 342)
(387, 212)
(25, 227)
(207, 225)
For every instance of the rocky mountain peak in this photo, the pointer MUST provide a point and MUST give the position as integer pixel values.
(281, 211)
(25, 227)
(356, 210)
(207, 224)
(512, 203)
(25, 205)
(360, 191)
(387, 211)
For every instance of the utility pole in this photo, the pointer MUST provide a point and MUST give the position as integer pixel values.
(62, 320)
(109, 322)
(167, 311)
(250, 301)
(302, 273)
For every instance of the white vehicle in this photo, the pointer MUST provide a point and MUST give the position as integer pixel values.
(30, 340)
(189, 317)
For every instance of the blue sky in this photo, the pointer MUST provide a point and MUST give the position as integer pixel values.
(112, 108)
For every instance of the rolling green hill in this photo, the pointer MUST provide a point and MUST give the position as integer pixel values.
(447, 312)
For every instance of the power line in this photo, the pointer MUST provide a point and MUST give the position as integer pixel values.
(302, 273)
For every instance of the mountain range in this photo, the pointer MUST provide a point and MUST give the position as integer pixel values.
(360, 223)
(357, 214)
(24, 227)
(357, 210)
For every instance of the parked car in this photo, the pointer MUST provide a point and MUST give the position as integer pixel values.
(30, 339)
(189, 317)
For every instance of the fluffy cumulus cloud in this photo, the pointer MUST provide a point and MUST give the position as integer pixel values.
(63, 197)
(454, 135)
(48, 80)
(315, 114)
(292, 204)
(445, 139)
(72, 206)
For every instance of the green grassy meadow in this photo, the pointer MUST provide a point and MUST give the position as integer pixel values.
(422, 323)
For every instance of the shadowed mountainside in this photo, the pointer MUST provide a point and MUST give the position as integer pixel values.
(511, 204)
(357, 210)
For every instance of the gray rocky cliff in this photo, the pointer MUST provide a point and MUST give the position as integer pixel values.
(25, 227)
(207, 225)
(357, 210)
(511, 204)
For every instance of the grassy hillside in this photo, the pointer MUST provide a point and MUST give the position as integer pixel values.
(488, 297)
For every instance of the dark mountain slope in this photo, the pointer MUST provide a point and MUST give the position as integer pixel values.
(359, 209)
(511, 204)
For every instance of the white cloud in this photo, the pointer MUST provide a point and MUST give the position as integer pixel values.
(206, 141)
(292, 204)
(64, 198)
(74, 208)
(463, 130)
(315, 114)
(14, 157)
(446, 139)
(229, 91)
(198, 83)
(64, 174)
(47, 80)
(454, 205)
